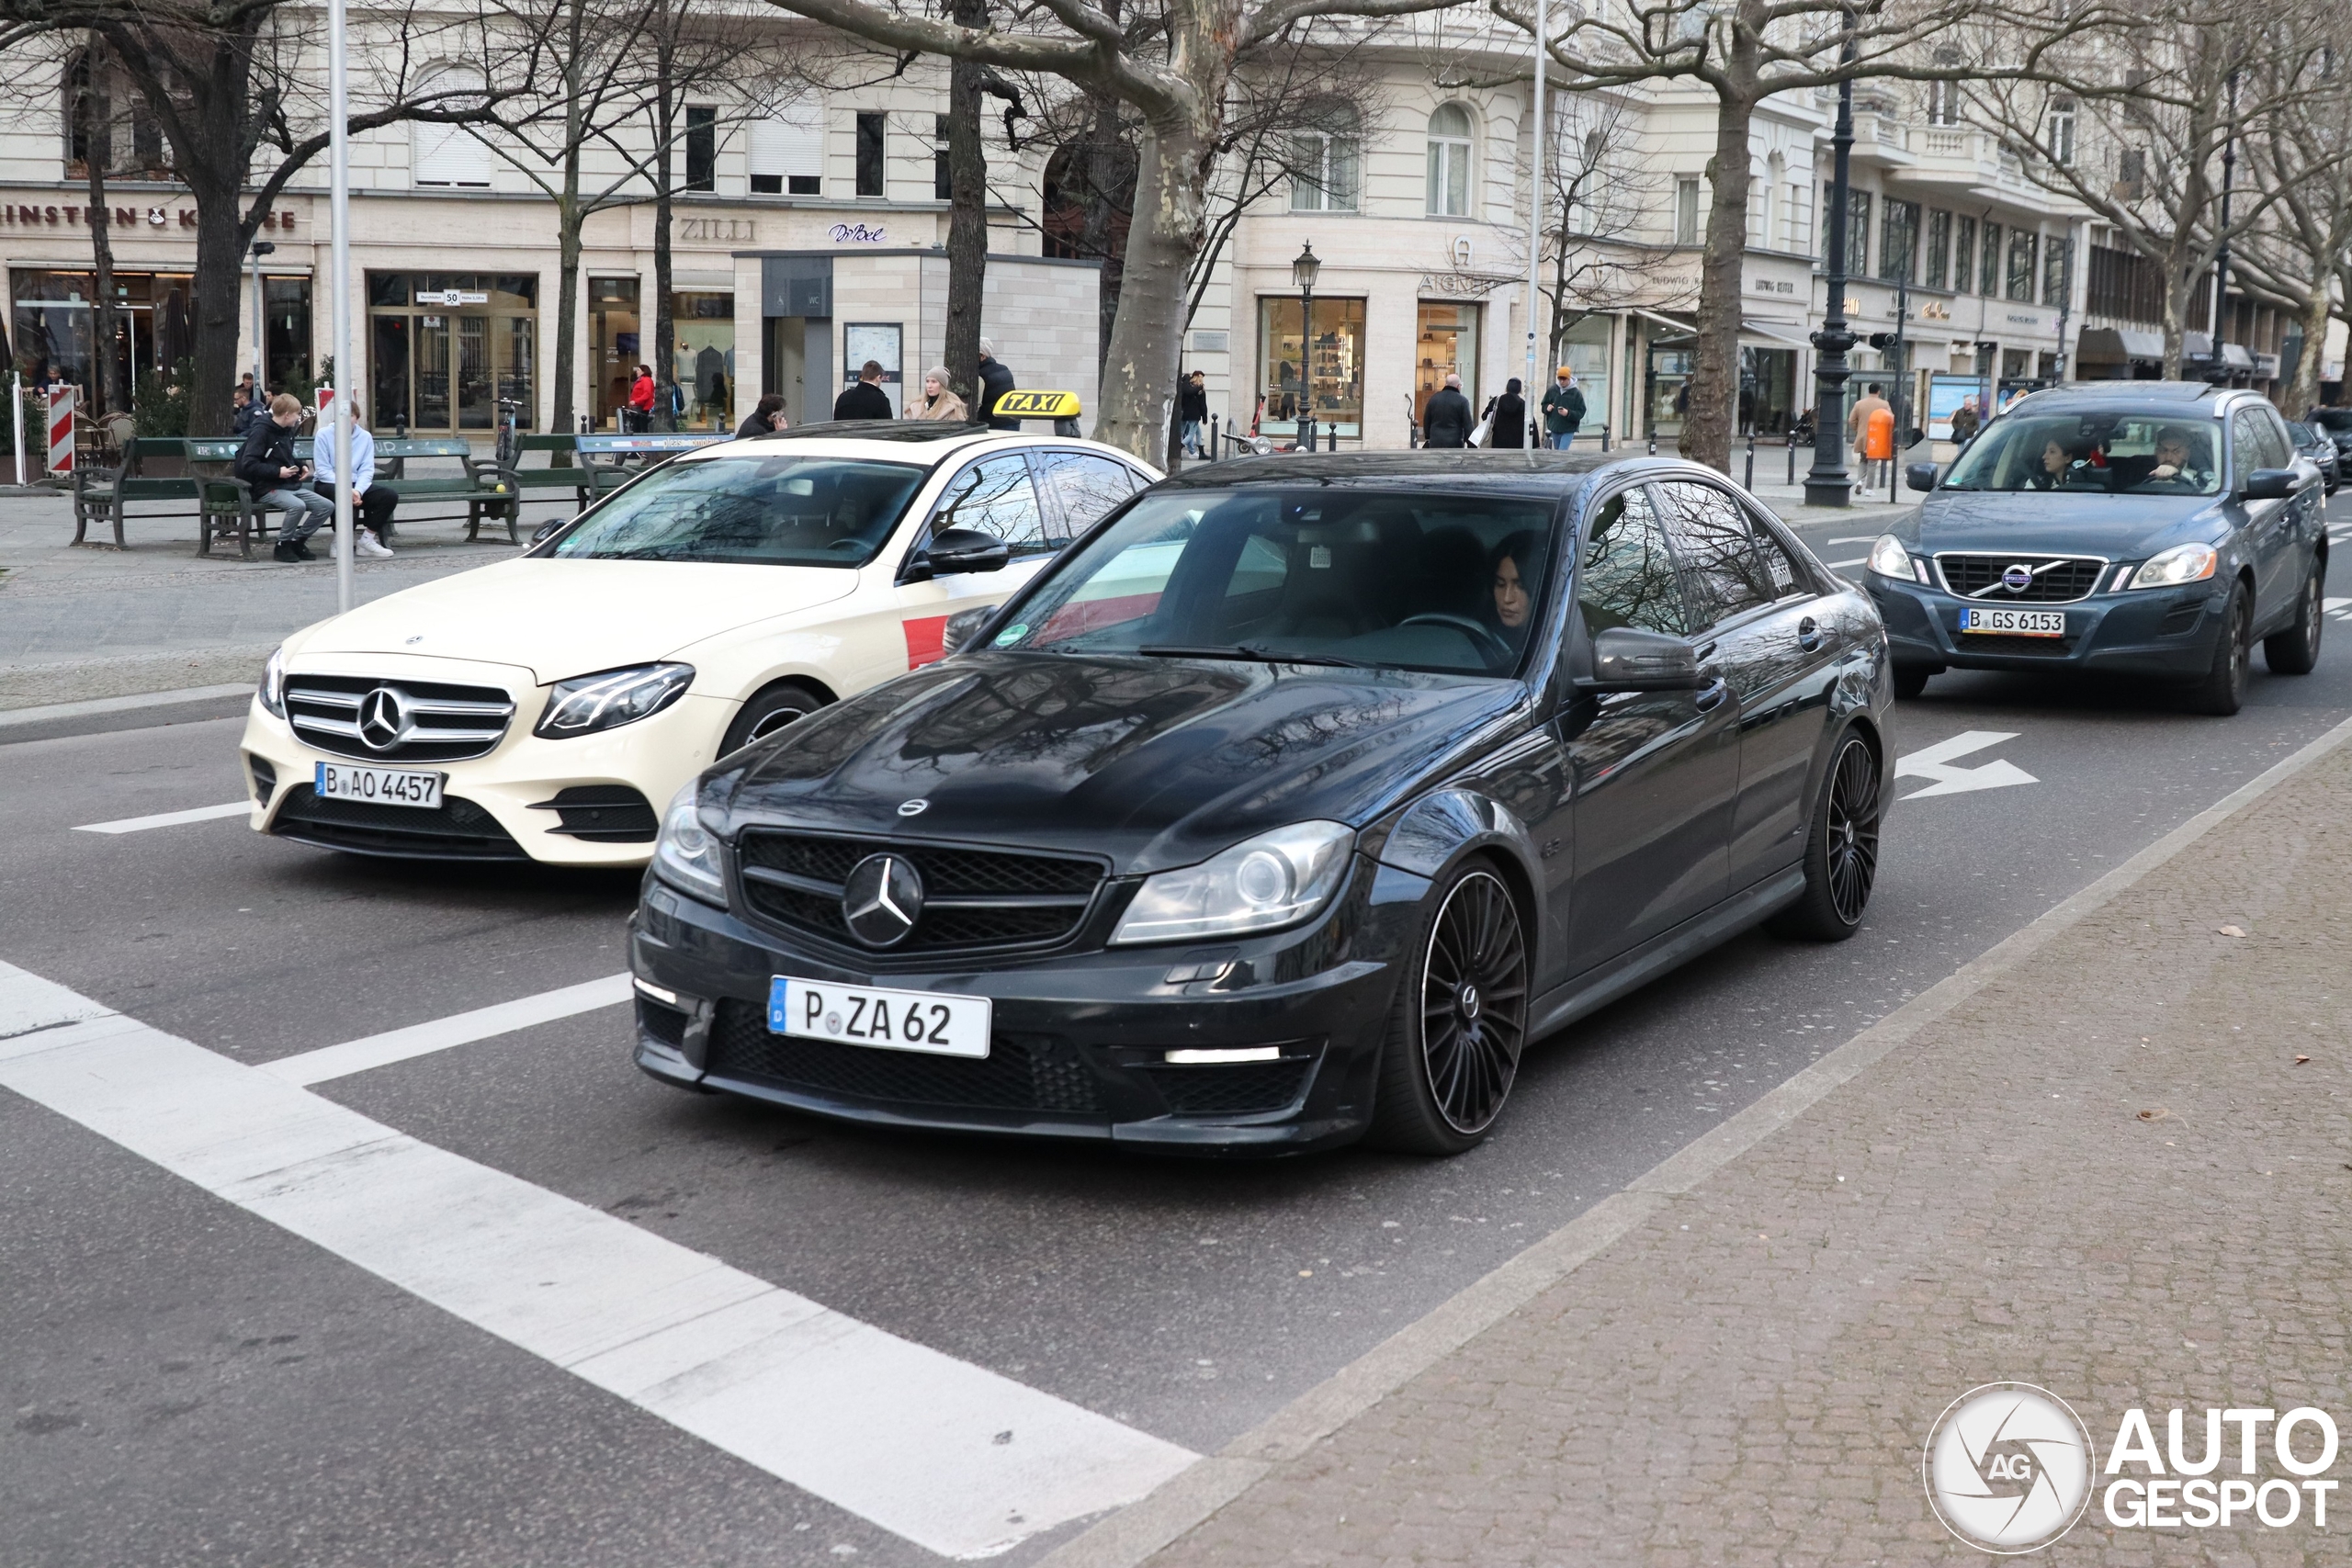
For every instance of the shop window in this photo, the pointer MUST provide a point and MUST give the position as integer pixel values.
(702, 340)
(1449, 160)
(285, 307)
(869, 155)
(1326, 162)
(1446, 344)
(1324, 374)
(450, 348)
(702, 147)
(787, 150)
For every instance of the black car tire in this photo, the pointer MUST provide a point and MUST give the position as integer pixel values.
(768, 711)
(2295, 651)
(1910, 679)
(1459, 1021)
(1840, 849)
(2221, 692)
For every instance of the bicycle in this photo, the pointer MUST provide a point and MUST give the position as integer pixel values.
(508, 409)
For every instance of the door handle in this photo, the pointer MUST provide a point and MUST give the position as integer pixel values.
(1711, 694)
(1808, 634)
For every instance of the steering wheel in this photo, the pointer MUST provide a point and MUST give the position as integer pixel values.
(1492, 648)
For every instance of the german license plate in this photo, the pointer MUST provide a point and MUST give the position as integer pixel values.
(2014, 623)
(379, 786)
(887, 1021)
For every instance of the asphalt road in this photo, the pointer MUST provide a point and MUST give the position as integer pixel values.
(189, 1383)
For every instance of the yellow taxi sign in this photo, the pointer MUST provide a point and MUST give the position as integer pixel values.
(1037, 405)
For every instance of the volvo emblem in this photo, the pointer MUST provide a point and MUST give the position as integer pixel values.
(383, 719)
(2018, 579)
(882, 899)
(914, 807)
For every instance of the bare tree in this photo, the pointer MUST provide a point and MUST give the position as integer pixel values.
(1176, 81)
(233, 91)
(2149, 113)
(1598, 196)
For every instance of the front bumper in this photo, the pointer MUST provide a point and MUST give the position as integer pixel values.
(2167, 633)
(498, 806)
(1080, 1039)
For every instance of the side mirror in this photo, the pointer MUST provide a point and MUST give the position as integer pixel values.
(2270, 484)
(963, 626)
(546, 531)
(1628, 659)
(954, 551)
(1920, 475)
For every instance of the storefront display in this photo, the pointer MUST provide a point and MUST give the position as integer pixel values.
(1446, 344)
(702, 330)
(448, 349)
(54, 324)
(1329, 372)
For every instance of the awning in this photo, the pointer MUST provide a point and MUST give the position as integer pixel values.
(2107, 346)
(1776, 334)
(2237, 356)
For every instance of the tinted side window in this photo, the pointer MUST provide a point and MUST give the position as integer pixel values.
(2278, 447)
(2245, 446)
(1626, 575)
(996, 496)
(1710, 533)
(1087, 485)
(1779, 572)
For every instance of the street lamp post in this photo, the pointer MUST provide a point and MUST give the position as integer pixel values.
(1828, 483)
(260, 321)
(339, 296)
(1302, 272)
(1536, 200)
(2216, 371)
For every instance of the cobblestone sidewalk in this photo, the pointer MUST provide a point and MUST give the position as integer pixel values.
(2120, 1171)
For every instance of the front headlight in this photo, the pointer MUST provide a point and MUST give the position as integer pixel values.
(686, 854)
(1274, 879)
(272, 690)
(2182, 563)
(1889, 559)
(587, 703)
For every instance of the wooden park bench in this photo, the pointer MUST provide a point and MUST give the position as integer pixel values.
(201, 488)
(589, 466)
(478, 487)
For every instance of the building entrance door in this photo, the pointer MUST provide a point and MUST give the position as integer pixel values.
(1446, 344)
(448, 349)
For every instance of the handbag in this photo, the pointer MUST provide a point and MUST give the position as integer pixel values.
(1484, 430)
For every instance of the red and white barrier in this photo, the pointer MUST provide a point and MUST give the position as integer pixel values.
(61, 431)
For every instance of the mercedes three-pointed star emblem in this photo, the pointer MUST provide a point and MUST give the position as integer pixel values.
(383, 719)
(882, 899)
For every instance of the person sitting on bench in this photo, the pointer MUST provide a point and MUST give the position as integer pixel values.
(266, 462)
(372, 501)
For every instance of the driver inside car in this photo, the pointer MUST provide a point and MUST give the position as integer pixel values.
(2180, 458)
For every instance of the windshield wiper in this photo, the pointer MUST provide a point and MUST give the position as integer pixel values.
(1247, 650)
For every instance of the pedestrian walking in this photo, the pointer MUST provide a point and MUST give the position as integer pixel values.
(372, 503)
(266, 462)
(866, 400)
(996, 379)
(1965, 421)
(1858, 424)
(1445, 421)
(640, 398)
(1510, 417)
(939, 400)
(764, 420)
(1563, 409)
(1192, 411)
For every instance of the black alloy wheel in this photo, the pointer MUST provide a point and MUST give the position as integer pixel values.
(1841, 852)
(767, 712)
(1455, 1040)
(2222, 691)
(2295, 651)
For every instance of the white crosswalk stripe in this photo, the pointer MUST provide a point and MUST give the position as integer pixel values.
(958, 1460)
(422, 1038)
(168, 818)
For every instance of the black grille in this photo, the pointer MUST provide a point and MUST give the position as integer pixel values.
(2037, 646)
(2057, 579)
(972, 898)
(1236, 1091)
(2180, 618)
(663, 1022)
(1022, 1072)
(603, 814)
(458, 831)
(446, 723)
(265, 777)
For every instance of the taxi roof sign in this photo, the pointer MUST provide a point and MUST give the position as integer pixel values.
(1037, 405)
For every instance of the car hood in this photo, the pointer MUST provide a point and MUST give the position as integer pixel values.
(1153, 761)
(2121, 528)
(561, 618)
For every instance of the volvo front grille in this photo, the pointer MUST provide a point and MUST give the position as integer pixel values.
(2021, 579)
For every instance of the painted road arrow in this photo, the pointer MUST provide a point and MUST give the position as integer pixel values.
(1935, 762)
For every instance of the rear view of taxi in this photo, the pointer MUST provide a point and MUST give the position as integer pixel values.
(546, 707)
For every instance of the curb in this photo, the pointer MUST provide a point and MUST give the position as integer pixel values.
(101, 716)
(1133, 1534)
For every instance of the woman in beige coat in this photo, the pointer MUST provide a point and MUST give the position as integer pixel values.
(937, 402)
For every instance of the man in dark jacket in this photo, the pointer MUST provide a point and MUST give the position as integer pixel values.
(1563, 409)
(266, 462)
(995, 381)
(242, 413)
(1193, 410)
(1510, 417)
(866, 400)
(1446, 421)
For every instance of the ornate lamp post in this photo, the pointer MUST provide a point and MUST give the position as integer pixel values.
(1828, 483)
(1302, 272)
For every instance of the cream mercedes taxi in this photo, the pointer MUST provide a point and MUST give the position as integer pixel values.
(546, 708)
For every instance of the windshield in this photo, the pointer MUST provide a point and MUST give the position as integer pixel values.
(2108, 454)
(778, 509)
(1414, 580)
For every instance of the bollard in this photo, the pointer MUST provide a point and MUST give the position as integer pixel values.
(1751, 460)
(1215, 451)
(1792, 439)
(1604, 435)
(1653, 443)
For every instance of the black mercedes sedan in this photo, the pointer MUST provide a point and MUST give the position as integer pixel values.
(1285, 807)
(2144, 528)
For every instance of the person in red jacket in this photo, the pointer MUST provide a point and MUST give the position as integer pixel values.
(640, 398)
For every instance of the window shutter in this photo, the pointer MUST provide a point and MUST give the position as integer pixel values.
(792, 142)
(446, 155)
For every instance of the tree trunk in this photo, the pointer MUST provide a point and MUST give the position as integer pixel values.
(1714, 381)
(221, 239)
(569, 220)
(1145, 349)
(97, 150)
(967, 218)
(2302, 395)
(666, 330)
